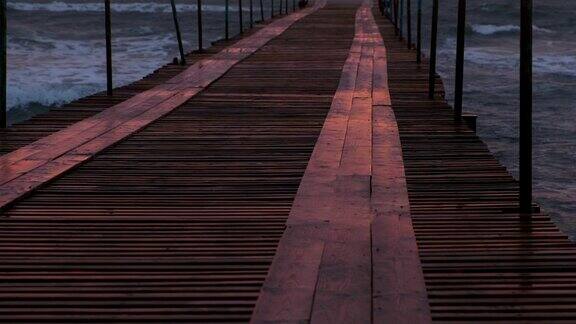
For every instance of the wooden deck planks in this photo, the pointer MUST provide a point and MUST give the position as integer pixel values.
(207, 215)
(101, 131)
(180, 221)
(348, 207)
(24, 133)
(482, 261)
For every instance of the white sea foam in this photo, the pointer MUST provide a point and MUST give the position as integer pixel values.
(142, 7)
(496, 29)
(67, 70)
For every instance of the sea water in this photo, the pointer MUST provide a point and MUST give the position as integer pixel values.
(491, 88)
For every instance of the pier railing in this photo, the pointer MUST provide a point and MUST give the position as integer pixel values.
(399, 12)
(283, 8)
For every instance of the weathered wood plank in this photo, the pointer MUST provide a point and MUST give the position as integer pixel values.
(180, 221)
(154, 103)
(482, 261)
(369, 270)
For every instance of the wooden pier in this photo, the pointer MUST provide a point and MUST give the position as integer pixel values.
(296, 174)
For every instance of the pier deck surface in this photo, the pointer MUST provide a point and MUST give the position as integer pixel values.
(482, 260)
(180, 221)
(297, 174)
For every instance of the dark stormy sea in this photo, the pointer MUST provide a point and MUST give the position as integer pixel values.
(492, 89)
(56, 54)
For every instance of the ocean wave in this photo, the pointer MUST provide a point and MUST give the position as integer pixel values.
(497, 29)
(141, 7)
(47, 95)
(559, 64)
(63, 71)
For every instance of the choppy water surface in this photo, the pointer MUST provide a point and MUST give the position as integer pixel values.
(491, 89)
(56, 54)
(57, 48)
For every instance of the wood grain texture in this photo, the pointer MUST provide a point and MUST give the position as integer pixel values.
(179, 222)
(482, 261)
(101, 130)
(353, 202)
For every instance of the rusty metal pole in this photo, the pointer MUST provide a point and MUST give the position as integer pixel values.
(433, 44)
(525, 151)
(3, 65)
(108, 23)
(178, 35)
(460, 44)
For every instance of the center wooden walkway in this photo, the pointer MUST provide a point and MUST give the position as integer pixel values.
(296, 175)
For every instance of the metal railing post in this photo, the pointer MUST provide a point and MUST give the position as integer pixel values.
(525, 151)
(227, 19)
(388, 9)
(280, 5)
(271, 9)
(460, 44)
(262, 10)
(199, 22)
(395, 17)
(286, 6)
(419, 33)
(251, 6)
(178, 35)
(3, 65)
(409, 23)
(293, 5)
(433, 41)
(108, 24)
(401, 19)
(240, 21)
